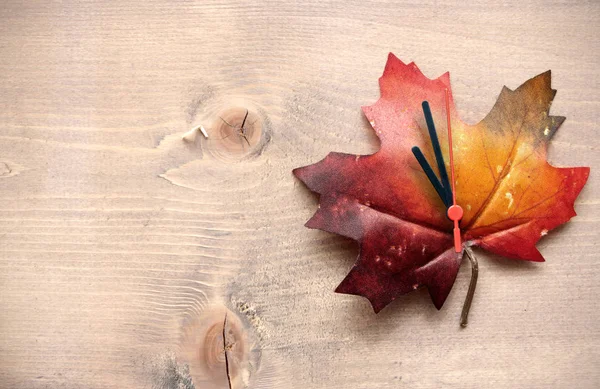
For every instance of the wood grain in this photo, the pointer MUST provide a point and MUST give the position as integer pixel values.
(121, 244)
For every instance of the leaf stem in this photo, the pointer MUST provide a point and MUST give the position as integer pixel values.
(469, 299)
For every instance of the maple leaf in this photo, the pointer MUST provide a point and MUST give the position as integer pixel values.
(510, 194)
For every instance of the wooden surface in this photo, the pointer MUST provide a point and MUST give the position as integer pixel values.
(123, 248)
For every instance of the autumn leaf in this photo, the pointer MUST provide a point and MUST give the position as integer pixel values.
(510, 194)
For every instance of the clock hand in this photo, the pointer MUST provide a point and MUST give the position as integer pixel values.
(455, 212)
(442, 188)
(435, 143)
(430, 174)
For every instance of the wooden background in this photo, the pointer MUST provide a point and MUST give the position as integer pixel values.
(124, 249)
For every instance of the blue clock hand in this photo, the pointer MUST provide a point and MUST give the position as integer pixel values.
(435, 143)
(442, 188)
(430, 174)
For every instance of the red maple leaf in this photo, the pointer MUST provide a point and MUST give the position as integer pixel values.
(510, 194)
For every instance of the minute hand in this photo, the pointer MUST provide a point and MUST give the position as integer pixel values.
(442, 188)
(435, 143)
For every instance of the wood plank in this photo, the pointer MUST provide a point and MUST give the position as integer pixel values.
(123, 246)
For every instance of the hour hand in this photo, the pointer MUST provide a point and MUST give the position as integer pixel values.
(431, 175)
